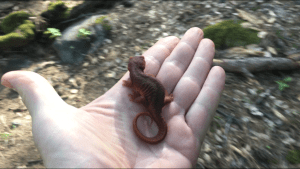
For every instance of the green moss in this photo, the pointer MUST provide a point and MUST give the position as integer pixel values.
(64, 11)
(19, 31)
(53, 5)
(229, 34)
(13, 20)
(293, 156)
(104, 22)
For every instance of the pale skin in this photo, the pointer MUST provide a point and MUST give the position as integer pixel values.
(100, 134)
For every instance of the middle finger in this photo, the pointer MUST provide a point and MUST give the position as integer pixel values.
(175, 65)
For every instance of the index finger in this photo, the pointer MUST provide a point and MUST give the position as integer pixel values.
(156, 55)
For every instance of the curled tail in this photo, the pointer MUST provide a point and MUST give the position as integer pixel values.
(162, 129)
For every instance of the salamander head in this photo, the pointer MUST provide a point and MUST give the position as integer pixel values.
(137, 61)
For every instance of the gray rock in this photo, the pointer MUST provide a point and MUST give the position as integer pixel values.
(253, 110)
(16, 62)
(270, 123)
(289, 141)
(218, 138)
(281, 104)
(252, 91)
(72, 49)
(6, 5)
(207, 158)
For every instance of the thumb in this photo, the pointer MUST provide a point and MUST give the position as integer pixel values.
(36, 92)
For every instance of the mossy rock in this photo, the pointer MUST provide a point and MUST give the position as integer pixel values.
(230, 34)
(293, 156)
(61, 8)
(57, 11)
(19, 31)
(104, 22)
(13, 20)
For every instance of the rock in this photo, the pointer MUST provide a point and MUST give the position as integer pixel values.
(207, 6)
(272, 13)
(262, 34)
(27, 117)
(207, 158)
(19, 114)
(127, 3)
(15, 8)
(253, 110)
(261, 135)
(206, 148)
(6, 5)
(19, 31)
(254, 47)
(73, 91)
(272, 50)
(201, 161)
(85, 64)
(239, 92)
(252, 91)
(107, 41)
(249, 17)
(91, 6)
(281, 104)
(271, 20)
(110, 74)
(288, 141)
(245, 119)
(199, 164)
(81, 46)
(57, 12)
(267, 54)
(218, 138)
(270, 123)
(165, 34)
(219, 132)
(16, 62)
(15, 124)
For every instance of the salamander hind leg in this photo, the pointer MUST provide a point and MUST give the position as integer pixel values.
(134, 96)
(127, 83)
(151, 75)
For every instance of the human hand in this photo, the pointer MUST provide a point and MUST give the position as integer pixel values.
(100, 134)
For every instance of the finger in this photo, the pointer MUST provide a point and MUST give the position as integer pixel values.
(36, 92)
(156, 55)
(203, 109)
(175, 65)
(194, 77)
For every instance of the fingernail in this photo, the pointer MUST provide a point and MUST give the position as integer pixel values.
(6, 83)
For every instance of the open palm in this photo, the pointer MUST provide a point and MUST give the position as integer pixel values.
(100, 134)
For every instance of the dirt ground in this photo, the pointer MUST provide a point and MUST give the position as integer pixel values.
(236, 138)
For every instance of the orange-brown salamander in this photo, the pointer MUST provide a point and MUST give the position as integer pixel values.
(148, 91)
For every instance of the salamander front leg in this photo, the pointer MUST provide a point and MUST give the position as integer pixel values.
(127, 83)
(168, 98)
